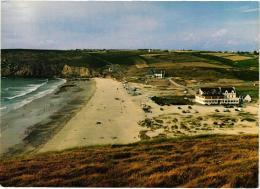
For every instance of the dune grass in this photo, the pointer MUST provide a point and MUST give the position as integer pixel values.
(198, 161)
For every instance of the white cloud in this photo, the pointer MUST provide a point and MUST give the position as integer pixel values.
(232, 42)
(190, 37)
(245, 9)
(219, 33)
(250, 10)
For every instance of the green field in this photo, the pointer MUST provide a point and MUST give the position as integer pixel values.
(251, 90)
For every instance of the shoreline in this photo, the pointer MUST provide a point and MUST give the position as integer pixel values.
(36, 122)
(39, 95)
(103, 113)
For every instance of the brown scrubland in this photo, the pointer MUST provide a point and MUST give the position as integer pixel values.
(198, 161)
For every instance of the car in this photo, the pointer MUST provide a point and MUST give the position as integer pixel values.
(226, 110)
(238, 109)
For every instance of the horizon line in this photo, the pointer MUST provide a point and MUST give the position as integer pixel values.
(124, 49)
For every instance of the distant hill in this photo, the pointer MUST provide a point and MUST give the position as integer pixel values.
(198, 161)
(50, 63)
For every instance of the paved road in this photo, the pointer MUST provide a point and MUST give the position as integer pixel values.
(190, 91)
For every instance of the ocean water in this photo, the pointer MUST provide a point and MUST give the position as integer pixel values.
(17, 92)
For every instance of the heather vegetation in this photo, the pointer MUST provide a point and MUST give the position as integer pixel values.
(198, 161)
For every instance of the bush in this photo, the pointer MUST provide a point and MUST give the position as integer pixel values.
(171, 100)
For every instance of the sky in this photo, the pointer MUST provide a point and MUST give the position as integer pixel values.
(130, 25)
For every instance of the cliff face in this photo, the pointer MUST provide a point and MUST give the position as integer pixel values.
(27, 70)
(46, 63)
(61, 63)
(45, 71)
(70, 71)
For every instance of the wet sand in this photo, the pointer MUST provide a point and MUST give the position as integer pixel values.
(28, 127)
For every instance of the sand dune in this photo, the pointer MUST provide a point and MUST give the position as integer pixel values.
(109, 117)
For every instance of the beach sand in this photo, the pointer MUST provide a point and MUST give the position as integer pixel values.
(110, 117)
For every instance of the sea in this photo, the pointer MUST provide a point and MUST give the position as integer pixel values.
(17, 92)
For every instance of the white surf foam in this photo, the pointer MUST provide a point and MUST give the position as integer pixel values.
(38, 95)
(2, 108)
(26, 90)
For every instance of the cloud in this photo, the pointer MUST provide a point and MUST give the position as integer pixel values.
(250, 10)
(138, 23)
(191, 37)
(219, 33)
(245, 9)
(232, 42)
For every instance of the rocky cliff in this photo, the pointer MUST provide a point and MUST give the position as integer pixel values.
(30, 70)
(63, 63)
(70, 71)
(40, 70)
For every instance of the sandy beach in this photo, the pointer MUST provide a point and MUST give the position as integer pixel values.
(110, 117)
(28, 127)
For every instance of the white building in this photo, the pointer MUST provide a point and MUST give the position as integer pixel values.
(220, 95)
(247, 98)
(159, 75)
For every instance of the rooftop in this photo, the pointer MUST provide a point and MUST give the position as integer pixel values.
(216, 91)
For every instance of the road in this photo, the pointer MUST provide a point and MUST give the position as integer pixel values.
(190, 91)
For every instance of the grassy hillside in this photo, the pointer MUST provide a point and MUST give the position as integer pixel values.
(48, 63)
(201, 161)
(69, 57)
(233, 59)
(252, 91)
(131, 63)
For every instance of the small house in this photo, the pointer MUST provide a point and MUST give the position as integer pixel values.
(154, 73)
(247, 98)
(159, 74)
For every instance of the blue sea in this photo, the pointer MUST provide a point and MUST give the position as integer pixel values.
(17, 92)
